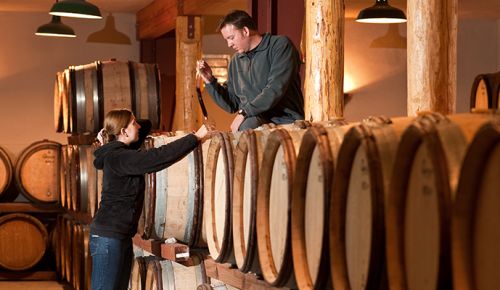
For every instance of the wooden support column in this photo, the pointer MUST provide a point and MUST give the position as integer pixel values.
(432, 56)
(324, 76)
(187, 114)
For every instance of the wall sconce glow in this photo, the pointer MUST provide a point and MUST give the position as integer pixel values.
(349, 85)
(55, 28)
(76, 8)
(381, 12)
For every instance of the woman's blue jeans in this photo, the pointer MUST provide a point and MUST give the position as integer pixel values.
(111, 263)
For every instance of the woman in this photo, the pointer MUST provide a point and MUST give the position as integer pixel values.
(124, 166)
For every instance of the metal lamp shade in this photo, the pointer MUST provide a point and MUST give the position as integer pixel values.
(76, 8)
(381, 12)
(55, 28)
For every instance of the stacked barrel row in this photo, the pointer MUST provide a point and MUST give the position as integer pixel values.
(25, 238)
(81, 182)
(83, 94)
(35, 174)
(72, 252)
(354, 205)
(358, 206)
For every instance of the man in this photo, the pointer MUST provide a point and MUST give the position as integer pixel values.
(263, 83)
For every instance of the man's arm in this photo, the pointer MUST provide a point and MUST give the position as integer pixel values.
(223, 96)
(219, 93)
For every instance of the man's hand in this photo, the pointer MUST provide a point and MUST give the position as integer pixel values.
(204, 71)
(235, 125)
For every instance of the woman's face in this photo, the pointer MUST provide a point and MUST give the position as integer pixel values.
(131, 133)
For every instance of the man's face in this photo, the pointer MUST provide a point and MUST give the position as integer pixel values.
(237, 39)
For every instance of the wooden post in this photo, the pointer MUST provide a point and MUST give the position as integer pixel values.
(187, 115)
(324, 76)
(432, 56)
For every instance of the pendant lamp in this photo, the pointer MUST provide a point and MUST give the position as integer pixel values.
(55, 28)
(381, 12)
(109, 34)
(76, 8)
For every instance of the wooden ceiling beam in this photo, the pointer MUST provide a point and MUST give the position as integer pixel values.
(212, 7)
(159, 17)
(156, 19)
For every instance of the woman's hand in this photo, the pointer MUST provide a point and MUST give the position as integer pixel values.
(100, 138)
(205, 132)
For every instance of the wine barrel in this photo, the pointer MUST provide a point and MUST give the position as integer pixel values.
(77, 256)
(247, 159)
(59, 94)
(24, 240)
(62, 246)
(485, 91)
(175, 211)
(5, 175)
(422, 190)
(67, 249)
(73, 178)
(310, 202)
(218, 177)
(146, 223)
(58, 246)
(98, 87)
(63, 176)
(143, 229)
(216, 285)
(87, 257)
(274, 198)
(37, 172)
(87, 176)
(138, 273)
(476, 214)
(362, 175)
(79, 259)
(145, 80)
(165, 274)
(62, 92)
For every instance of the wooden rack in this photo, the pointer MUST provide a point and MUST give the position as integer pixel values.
(180, 253)
(28, 275)
(234, 277)
(25, 207)
(82, 139)
(174, 252)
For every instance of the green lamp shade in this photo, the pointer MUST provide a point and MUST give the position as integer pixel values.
(75, 8)
(381, 12)
(55, 28)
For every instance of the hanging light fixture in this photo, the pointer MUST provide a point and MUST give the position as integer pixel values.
(109, 34)
(55, 28)
(381, 12)
(76, 8)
